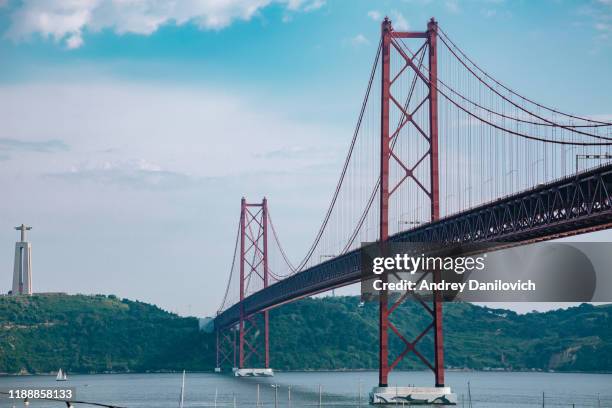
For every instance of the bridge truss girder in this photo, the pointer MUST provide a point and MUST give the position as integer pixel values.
(568, 206)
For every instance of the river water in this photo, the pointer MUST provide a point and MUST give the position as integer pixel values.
(338, 389)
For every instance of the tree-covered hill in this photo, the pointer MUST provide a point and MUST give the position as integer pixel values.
(78, 333)
(40, 333)
(342, 333)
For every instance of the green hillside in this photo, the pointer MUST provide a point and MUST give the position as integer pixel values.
(95, 334)
(41, 333)
(339, 333)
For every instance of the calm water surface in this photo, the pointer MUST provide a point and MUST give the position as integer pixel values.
(339, 389)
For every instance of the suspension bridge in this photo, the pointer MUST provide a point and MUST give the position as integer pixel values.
(444, 152)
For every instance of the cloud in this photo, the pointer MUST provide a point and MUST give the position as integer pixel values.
(139, 174)
(488, 13)
(67, 20)
(397, 18)
(74, 41)
(599, 13)
(419, 2)
(311, 5)
(109, 125)
(45, 146)
(399, 21)
(604, 30)
(452, 6)
(293, 152)
(375, 15)
(159, 169)
(359, 40)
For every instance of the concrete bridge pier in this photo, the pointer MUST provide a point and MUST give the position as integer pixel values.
(253, 372)
(413, 396)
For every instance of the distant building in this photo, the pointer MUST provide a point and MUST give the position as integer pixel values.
(22, 272)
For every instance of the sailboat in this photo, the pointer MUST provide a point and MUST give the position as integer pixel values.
(182, 391)
(61, 376)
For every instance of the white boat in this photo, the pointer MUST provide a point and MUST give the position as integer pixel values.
(61, 376)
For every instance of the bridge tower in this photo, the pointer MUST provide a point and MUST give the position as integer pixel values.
(430, 186)
(252, 351)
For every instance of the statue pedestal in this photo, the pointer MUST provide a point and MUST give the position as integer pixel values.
(22, 272)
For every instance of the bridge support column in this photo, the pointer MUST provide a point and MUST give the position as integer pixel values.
(266, 316)
(249, 334)
(218, 359)
(383, 370)
(242, 262)
(383, 394)
(254, 329)
(226, 347)
(432, 31)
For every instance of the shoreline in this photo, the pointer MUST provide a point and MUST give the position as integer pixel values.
(308, 371)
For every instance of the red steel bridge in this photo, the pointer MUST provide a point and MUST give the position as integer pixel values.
(442, 152)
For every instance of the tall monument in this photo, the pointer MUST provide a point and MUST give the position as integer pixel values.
(22, 274)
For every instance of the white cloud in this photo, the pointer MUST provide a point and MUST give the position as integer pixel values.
(37, 146)
(314, 5)
(419, 2)
(375, 15)
(359, 40)
(175, 128)
(133, 174)
(604, 30)
(596, 14)
(399, 21)
(293, 152)
(304, 5)
(452, 6)
(67, 20)
(74, 41)
(159, 169)
(488, 13)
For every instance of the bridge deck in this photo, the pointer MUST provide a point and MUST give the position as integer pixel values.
(577, 204)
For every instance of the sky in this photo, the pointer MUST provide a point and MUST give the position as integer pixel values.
(130, 129)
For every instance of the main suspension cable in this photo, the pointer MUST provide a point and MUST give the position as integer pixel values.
(280, 247)
(516, 133)
(367, 208)
(600, 123)
(229, 282)
(345, 167)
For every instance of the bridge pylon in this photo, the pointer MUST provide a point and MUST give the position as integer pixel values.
(250, 352)
(390, 45)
